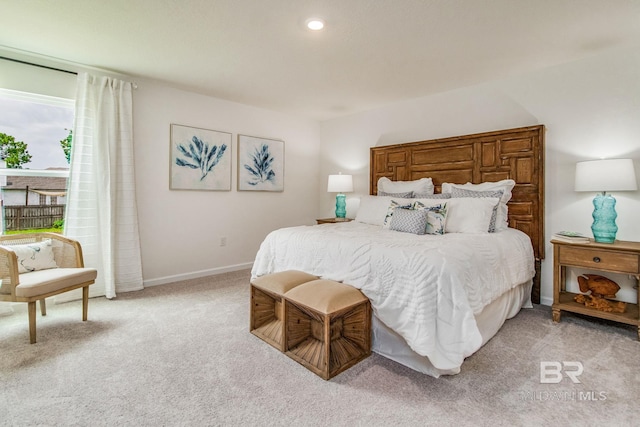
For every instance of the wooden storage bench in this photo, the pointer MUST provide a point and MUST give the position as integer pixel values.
(328, 326)
(267, 310)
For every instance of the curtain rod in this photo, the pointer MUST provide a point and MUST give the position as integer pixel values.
(38, 65)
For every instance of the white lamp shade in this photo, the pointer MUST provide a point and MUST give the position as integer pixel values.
(606, 175)
(340, 184)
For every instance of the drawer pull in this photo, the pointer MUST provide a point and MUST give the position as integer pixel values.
(596, 259)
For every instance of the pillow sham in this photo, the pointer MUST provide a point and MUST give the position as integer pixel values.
(461, 192)
(469, 215)
(373, 209)
(406, 195)
(422, 185)
(408, 220)
(436, 217)
(506, 185)
(34, 256)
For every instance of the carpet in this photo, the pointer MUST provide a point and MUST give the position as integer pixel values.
(181, 355)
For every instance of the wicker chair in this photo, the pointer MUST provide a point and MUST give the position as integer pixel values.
(37, 285)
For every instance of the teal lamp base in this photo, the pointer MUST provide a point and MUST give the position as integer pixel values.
(341, 206)
(604, 226)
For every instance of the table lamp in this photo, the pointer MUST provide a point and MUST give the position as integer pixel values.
(340, 184)
(603, 176)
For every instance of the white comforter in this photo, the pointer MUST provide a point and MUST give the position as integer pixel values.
(426, 288)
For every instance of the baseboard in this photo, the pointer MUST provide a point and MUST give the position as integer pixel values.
(546, 301)
(197, 274)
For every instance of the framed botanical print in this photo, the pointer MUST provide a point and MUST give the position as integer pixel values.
(260, 164)
(200, 159)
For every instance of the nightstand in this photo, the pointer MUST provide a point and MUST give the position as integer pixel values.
(619, 257)
(332, 220)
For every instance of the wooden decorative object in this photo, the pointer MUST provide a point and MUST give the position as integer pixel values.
(516, 154)
(328, 327)
(599, 286)
(601, 304)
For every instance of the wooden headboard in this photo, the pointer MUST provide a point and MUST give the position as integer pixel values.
(516, 154)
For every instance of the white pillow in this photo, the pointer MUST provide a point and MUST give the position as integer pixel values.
(34, 256)
(422, 185)
(469, 215)
(506, 185)
(373, 209)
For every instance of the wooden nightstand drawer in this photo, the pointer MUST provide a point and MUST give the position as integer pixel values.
(598, 259)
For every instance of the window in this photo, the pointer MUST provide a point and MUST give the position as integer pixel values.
(33, 128)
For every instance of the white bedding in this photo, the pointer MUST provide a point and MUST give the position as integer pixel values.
(426, 288)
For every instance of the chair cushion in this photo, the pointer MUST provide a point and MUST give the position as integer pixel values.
(283, 281)
(325, 296)
(52, 280)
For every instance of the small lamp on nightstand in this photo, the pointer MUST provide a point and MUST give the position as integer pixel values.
(603, 176)
(340, 184)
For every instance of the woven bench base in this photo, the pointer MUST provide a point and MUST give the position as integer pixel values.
(327, 341)
(267, 310)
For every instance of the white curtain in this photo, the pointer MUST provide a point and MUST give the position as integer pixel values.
(101, 208)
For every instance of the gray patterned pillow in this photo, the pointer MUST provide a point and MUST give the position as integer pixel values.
(391, 210)
(461, 192)
(409, 220)
(407, 195)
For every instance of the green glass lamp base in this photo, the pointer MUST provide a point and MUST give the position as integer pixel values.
(341, 206)
(604, 226)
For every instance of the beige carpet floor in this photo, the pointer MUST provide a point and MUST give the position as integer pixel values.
(181, 355)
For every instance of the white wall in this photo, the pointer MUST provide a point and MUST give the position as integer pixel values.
(181, 230)
(591, 109)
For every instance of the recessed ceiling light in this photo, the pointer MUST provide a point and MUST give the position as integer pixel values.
(315, 24)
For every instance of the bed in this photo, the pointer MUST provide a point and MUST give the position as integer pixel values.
(436, 298)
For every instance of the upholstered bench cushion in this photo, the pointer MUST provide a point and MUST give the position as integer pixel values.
(326, 296)
(45, 281)
(282, 282)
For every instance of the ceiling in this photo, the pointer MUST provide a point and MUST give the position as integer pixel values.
(371, 52)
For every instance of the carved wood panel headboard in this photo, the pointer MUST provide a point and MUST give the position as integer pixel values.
(516, 154)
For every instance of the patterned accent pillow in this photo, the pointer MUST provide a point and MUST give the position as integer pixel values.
(390, 211)
(34, 256)
(436, 217)
(461, 192)
(409, 220)
(431, 196)
(406, 195)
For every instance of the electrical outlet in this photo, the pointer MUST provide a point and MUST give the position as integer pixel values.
(223, 241)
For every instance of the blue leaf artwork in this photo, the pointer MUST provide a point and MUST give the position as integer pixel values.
(261, 164)
(201, 159)
(260, 169)
(201, 156)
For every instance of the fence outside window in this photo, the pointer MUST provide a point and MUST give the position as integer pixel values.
(30, 217)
